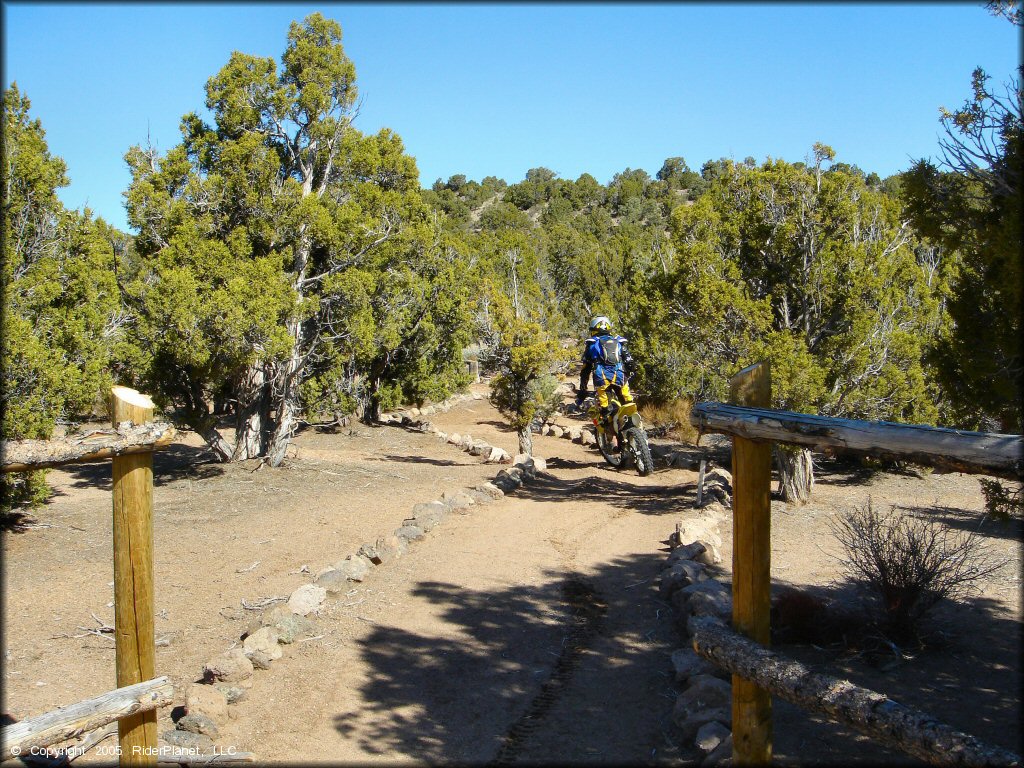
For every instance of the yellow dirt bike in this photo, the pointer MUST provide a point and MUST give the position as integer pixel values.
(621, 437)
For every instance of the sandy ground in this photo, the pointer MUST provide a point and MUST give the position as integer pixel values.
(473, 646)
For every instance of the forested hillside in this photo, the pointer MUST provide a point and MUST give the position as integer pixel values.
(283, 267)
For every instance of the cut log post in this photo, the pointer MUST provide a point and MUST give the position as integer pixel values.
(751, 567)
(700, 480)
(905, 728)
(133, 577)
(75, 719)
(97, 445)
(951, 449)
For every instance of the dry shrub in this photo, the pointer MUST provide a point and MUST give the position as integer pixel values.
(909, 564)
(671, 419)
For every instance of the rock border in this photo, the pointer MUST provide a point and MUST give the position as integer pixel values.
(703, 709)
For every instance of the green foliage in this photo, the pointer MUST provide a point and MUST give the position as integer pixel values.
(813, 270)
(539, 186)
(970, 207)
(63, 321)
(501, 216)
(525, 357)
(1002, 501)
(288, 258)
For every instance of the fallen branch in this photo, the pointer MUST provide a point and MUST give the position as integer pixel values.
(28, 455)
(259, 605)
(221, 758)
(887, 721)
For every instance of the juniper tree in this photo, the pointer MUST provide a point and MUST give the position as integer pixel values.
(62, 318)
(280, 245)
(808, 267)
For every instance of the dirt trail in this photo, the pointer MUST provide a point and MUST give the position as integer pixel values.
(529, 629)
(524, 630)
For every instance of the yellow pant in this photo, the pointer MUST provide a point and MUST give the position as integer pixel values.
(601, 393)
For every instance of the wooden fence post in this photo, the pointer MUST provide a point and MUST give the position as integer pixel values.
(133, 577)
(751, 566)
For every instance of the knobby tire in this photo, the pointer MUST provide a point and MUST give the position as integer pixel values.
(641, 450)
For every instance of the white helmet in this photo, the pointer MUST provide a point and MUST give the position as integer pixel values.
(600, 323)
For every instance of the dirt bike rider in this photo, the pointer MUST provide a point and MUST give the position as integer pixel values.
(606, 355)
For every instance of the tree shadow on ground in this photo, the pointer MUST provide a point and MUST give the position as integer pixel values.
(666, 499)
(557, 462)
(539, 672)
(407, 459)
(847, 470)
(170, 464)
(971, 521)
(18, 520)
(555, 672)
(841, 471)
(963, 669)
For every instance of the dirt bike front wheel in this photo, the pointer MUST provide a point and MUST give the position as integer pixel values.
(606, 445)
(636, 440)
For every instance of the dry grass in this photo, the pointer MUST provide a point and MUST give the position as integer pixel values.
(671, 419)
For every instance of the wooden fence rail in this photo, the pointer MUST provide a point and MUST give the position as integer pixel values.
(96, 445)
(874, 714)
(75, 719)
(753, 427)
(952, 449)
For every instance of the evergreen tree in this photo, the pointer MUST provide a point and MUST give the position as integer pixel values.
(63, 323)
(287, 257)
(970, 206)
(811, 269)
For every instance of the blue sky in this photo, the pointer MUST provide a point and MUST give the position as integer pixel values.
(497, 89)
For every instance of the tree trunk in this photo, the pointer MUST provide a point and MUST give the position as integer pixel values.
(287, 400)
(371, 411)
(252, 414)
(796, 474)
(371, 408)
(286, 423)
(206, 429)
(286, 382)
(526, 440)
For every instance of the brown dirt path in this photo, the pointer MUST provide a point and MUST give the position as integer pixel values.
(468, 648)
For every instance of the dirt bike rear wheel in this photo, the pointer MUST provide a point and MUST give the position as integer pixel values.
(636, 440)
(606, 445)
